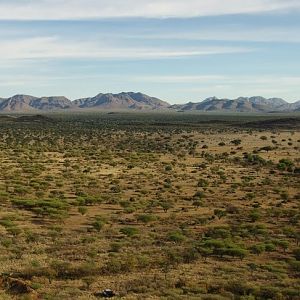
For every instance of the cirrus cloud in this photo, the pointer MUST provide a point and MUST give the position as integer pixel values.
(58, 48)
(93, 9)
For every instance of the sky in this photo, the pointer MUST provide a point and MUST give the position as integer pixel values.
(175, 50)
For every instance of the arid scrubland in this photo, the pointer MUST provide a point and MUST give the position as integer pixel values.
(152, 206)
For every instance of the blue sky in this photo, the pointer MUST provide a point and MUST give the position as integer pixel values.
(177, 50)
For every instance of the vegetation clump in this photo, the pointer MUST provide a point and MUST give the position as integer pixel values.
(166, 206)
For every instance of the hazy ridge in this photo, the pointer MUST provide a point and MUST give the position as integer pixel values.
(139, 101)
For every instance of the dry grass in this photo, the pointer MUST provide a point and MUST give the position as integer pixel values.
(149, 212)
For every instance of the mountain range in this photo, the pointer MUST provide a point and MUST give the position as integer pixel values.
(241, 104)
(139, 101)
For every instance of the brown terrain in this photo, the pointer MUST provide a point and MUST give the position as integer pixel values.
(151, 206)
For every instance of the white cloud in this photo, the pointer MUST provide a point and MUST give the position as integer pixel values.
(228, 33)
(224, 79)
(89, 9)
(58, 48)
(180, 79)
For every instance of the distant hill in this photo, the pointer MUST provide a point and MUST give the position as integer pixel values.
(129, 100)
(25, 103)
(136, 101)
(139, 102)
(242, 104)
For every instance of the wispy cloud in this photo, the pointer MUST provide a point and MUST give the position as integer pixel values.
(169, 58)
(223, 79)
(227, 33)
(89, 9)
(181, 78)
(56, 48)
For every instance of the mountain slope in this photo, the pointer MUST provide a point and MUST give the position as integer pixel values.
(139, 101)
(25, 103)
(241, 104)
(128, 100)
(290, 106)
(17, 103)
(49, 103)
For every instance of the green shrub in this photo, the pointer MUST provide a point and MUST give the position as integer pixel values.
(115, 247)
(254, 216)
(295, 265)
(223, 248)
(220, 213)
(202, 182)
(146, 218)
(270, 247)
(218, 232)
(268, 292)
(296, 253)
(239, 288)
(258, 248)
(281, 243)
(176, 236)
(168, 168)
(236, 142)
(98, 225)
(166, 205)
(129, 231)
(82, 210)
